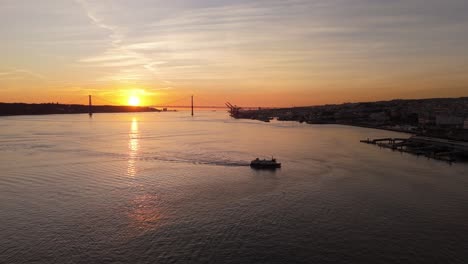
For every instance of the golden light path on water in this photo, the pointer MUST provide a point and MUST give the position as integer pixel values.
(133, 146)
(144, 208)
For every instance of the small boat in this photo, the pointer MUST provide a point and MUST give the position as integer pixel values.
(265, 164)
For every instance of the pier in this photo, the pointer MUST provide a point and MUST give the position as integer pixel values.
(434, 148)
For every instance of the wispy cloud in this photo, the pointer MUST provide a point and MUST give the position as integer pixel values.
(115, 35)
(118, 55)
(12, 74)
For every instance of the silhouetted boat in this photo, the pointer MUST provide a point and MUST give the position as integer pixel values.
(265, 164)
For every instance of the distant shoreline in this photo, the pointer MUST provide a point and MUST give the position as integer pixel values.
(17, 109)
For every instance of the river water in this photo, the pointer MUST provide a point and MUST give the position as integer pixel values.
(169, 188)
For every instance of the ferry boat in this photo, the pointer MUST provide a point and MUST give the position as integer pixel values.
(265, 164)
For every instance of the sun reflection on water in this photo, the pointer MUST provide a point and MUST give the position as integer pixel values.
(145, 214)
(133, 147)
(143, 211)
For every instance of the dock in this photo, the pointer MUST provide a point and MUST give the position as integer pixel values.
(434, 148)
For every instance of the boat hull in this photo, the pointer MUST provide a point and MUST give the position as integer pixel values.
(262, 164)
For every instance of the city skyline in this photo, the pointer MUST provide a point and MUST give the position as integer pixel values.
(259, 53)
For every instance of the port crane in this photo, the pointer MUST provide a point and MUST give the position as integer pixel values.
(233, 109)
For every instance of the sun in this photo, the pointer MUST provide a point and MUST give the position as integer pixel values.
(134, 100)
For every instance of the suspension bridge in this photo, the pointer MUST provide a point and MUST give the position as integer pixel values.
(99, 104)
(182, 102)
(96, 101)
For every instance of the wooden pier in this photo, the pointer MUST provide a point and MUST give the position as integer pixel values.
(440, 149)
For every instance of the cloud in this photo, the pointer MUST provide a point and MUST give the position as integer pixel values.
(13, 74)
(117, 55)
(289, 45)
(115, 35)
(274, 39)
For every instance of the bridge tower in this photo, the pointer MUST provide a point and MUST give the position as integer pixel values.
(90, 106)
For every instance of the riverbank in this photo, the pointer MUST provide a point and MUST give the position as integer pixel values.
(441, 117)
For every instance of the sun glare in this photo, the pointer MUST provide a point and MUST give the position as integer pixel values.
(134, 101)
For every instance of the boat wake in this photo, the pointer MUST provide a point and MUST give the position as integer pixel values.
(226, 163)
(177, 157)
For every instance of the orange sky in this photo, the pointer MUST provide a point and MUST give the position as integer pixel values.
(251, 53)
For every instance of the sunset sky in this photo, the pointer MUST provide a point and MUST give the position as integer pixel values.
(255, 52)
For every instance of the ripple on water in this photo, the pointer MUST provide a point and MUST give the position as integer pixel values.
(154, 188)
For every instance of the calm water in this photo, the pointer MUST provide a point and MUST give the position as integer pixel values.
(168, 188)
